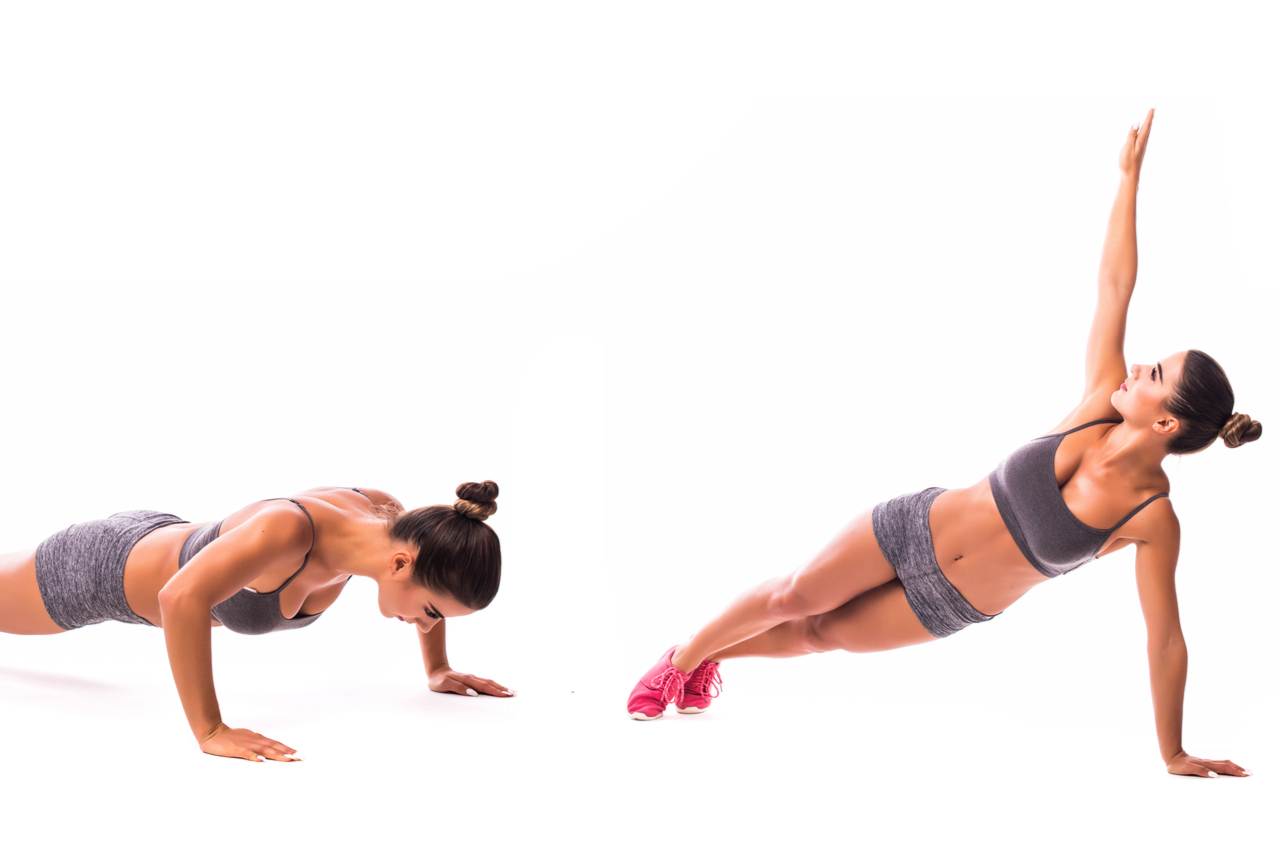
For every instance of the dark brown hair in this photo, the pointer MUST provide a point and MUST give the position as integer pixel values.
(1203, 403)
(458, 554)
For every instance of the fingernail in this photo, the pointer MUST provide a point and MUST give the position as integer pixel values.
(1135, 125)
(1213, 775)
(1248, 772)
(471, 692)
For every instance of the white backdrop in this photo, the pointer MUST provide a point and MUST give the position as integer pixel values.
(694, 286)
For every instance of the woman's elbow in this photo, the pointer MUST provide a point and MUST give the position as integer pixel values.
(1165, 643)
(175, 598)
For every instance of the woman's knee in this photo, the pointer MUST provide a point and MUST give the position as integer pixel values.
(817, 636)
(787, 600)
(836, 632)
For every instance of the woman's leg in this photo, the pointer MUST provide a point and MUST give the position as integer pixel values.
(21, 607)
(850, 566)
(876, 621)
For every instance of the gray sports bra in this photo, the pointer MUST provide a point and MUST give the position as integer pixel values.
(1025, 487)
(250, 612)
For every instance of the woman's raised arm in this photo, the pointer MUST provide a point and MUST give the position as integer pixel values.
(277, 536)
(1105, 367)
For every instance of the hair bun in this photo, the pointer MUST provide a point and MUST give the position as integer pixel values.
(1240, 429)
(476, 500)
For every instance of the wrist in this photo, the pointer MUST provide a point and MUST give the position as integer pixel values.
(1169, 759)
(205, 731)
(438, 666)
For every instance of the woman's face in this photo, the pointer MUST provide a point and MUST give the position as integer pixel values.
(1141, 397)
(401, 597)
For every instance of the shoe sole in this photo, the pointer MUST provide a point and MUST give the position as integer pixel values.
(644, 718)
(690, 710)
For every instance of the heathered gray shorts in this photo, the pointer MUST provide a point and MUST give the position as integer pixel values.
(902, 530)
(81, 569)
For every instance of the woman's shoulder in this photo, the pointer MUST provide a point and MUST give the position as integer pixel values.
(381, 498)
(356, 493)
(1156, 522)
(361, 495)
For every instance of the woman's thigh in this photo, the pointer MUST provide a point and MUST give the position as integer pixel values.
(850, 565)
(21, 607)
(876, 621)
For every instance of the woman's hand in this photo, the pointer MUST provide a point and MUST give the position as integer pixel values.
(446, 680)
(1135, 147)
(242, 743)
(1188, 765)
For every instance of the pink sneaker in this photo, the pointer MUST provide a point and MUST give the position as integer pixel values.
(703, 686)
(656, 690)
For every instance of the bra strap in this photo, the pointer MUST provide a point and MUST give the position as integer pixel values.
(307, 558)
(1136, 511)
(1089, 424)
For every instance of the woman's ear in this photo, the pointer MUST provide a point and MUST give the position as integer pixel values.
(401, 565)
(1166, 426)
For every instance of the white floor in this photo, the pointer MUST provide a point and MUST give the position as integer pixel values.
(950, 744)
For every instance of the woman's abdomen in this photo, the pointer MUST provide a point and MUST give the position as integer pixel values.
(975, 551)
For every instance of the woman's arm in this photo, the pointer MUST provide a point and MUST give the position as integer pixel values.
(276, 537)
(433, 650)
(442, 678)
(1105, 366)
(1157, 560)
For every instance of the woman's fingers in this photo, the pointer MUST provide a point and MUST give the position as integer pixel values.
(277, 751)
(277, 754)
(486, 685)
(504, 691)
(493, 688)
(1145, 130)
(1226, 768)
(1187, 765)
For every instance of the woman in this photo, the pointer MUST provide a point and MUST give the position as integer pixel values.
(152, 568)
(1090, 487)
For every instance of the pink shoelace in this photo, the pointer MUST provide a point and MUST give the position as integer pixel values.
(705, 681)
(670, 681)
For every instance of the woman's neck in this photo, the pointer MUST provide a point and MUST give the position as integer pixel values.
(364, 549)
(1138, 449)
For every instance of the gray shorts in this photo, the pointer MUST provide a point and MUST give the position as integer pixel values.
(902, 530)
(81, 569)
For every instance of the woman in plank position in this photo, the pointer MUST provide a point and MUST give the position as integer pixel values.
(1088, 488)
(273, 565)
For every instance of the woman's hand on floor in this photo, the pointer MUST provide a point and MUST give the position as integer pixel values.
(1188, 765)
(446, 680)
(242, 743)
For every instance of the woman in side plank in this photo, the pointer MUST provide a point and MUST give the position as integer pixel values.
(922, 566)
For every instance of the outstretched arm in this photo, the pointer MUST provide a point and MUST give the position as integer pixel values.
(444, 679)
(275, 537)
(1105, 366)
(1167, 650)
